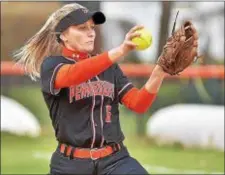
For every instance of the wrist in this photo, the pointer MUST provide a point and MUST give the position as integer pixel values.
(158, 70)
(116, 54)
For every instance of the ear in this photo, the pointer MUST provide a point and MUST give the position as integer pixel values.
(63, 37)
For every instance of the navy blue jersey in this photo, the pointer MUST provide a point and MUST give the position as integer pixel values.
(85, 115)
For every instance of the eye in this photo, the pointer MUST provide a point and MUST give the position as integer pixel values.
(93, 27)
(82, 27)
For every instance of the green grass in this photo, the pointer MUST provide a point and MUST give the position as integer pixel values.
(18, 155)
(177, 158)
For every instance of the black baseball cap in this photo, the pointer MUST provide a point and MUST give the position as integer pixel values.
(77, 17)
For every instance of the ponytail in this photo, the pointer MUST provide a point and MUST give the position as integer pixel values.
(43, 44)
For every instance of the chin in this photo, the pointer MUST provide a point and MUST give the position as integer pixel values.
(89, 49)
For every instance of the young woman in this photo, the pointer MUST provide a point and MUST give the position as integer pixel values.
(83, 92)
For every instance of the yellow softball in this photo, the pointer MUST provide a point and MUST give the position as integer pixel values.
(144, 41)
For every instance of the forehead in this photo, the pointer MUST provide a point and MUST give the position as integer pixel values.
(90, 22)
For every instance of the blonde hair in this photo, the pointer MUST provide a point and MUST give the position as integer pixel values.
(43, 44)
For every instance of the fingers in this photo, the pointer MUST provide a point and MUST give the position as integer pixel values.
(130, 45)
(137, 27)
(133, 35)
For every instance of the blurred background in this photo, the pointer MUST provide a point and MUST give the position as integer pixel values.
(183, 131)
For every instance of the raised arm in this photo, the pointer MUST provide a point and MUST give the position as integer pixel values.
(140, 100)
(72, 74)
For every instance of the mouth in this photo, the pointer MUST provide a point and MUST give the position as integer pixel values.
(90, 42)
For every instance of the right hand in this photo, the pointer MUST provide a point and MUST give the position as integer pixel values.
(127, 44)
(117, 53)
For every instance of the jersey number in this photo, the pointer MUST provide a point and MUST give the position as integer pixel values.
(108, 114)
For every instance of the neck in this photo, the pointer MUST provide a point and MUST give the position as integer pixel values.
(76, 55)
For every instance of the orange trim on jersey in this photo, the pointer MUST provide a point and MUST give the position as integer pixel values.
(138, 100)
(73, 74)
(74, 54)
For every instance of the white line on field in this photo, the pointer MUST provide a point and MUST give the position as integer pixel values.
(148, 167)
(162, 169)
(42, 155)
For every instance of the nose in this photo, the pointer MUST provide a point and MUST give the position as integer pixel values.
(91, 32)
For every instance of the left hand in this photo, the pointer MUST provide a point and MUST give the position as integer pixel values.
(180, 49)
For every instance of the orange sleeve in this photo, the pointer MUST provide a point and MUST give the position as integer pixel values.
(138, 100)
(73, 74)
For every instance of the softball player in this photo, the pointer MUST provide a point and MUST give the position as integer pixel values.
(83, 92)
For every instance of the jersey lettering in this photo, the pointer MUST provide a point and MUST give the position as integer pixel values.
(84, 90)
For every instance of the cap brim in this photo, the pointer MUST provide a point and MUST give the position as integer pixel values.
(80, 16)
(97, 16)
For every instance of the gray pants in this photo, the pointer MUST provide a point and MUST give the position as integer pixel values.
(118, 163)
